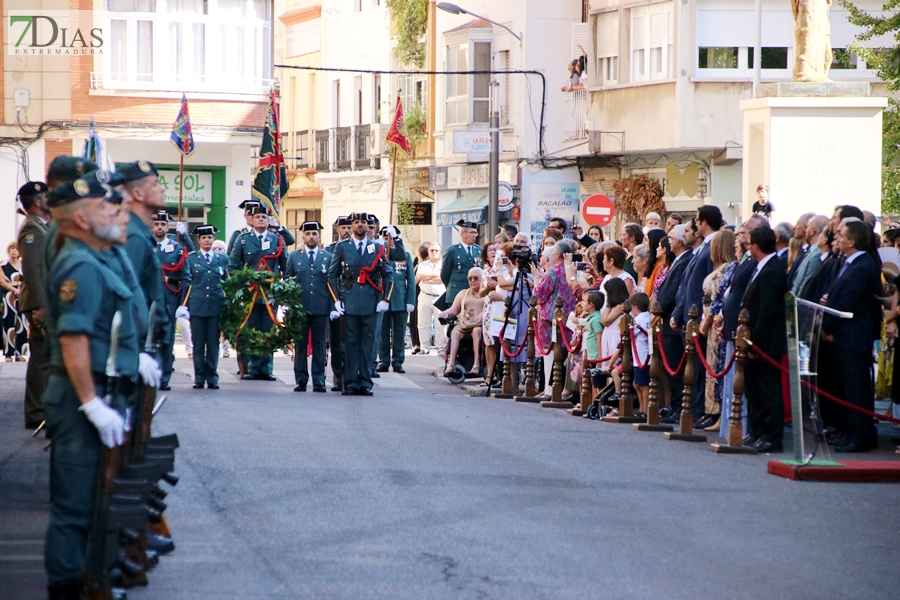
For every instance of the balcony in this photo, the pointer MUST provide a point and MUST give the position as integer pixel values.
(346, 149)
(296, 145)
(576, 108)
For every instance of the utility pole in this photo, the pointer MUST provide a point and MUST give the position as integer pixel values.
(493, 224)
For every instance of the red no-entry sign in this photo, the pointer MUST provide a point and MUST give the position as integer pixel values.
(597, 210)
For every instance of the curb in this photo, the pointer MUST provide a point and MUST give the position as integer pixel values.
(472, 390)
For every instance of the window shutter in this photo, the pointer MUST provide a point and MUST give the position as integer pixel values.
(638, 29)
(657, 29)
(608, 34)
(581, 34)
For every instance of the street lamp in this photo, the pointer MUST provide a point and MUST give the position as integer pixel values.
(458, 10)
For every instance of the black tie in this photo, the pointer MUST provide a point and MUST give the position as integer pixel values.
(360, 248)
(312, 257)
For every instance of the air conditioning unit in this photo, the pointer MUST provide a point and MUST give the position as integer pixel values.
(377, 143)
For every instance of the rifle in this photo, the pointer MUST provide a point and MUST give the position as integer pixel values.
(147, 395)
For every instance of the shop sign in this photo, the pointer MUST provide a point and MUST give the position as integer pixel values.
(548, 200)
(417, 213)
(197, 187)
(472, 142)
(505, 195)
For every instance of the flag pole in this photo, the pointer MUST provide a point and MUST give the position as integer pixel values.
(180, 184)
(393, 177)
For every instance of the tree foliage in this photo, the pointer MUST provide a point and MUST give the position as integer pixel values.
(409, 18)
(886, 62)
(637, 195)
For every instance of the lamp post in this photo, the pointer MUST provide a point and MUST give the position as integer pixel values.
(493, 220)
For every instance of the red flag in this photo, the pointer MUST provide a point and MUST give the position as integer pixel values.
(397, 133)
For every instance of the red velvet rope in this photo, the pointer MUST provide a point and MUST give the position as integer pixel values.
(807, 384)
(672, 372)
(712, 373)
(634, 352)
(539, 344)
(505, 349)
(597, 360)
(565, 343)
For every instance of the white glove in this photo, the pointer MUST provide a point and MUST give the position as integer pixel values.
(410, 308)
(272, 221)
(181, 228)
(108, 422)
(339, 307)
(149, 370)
(335, 315)
(182, 312)
(392, 231)
(383, 306)
(127, 420)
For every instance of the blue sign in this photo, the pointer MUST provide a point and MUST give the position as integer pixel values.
(448, 219)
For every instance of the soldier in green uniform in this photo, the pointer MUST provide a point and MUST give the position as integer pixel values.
(309, 268)
(85, 288)
(459, 258)
(208, 270)
(262, 250)
(63, 168)
(247, 205)
(33, 295)
(172, 256)
(359, 280)
(402, 302)
(342, 227)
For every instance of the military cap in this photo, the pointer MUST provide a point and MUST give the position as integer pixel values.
(358, 216)
(205, 230)
(311, 226)
(372, 219)
(32, 188)
(68, 168)
(258, 209)
(81, 188)
(343, 221)
(137, 170)
(462, 223)
(248, 204)
(162, 216)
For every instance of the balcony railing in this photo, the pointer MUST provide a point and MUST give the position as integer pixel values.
(345, 149)
(576, 106)
(296, 148)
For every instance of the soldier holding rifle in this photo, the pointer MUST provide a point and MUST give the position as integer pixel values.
(86, 287)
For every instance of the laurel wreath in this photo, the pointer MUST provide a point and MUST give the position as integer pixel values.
(242, 288)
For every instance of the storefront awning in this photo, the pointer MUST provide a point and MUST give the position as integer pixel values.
(468, 207)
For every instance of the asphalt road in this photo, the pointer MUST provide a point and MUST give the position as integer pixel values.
(423, 492)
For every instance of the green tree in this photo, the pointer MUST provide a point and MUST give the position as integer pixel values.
(886, 62)
(409, 18)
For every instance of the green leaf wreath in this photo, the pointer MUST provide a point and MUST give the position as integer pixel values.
(241, 290)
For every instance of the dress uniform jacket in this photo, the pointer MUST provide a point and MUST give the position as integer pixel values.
(283, 232)
(146, 266)
(404, 278)
(176, 279)
(455, 268)
(359, 299)
(313, 279)
(393, 322)
(205, 305)
(33, 294)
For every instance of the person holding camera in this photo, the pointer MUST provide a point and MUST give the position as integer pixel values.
(551, 285)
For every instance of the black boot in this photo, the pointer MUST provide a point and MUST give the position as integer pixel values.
(70, 590)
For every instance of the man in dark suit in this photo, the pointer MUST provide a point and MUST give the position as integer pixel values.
(707, 224)
(262, 250)
(783, 234)
(800, 232)
(673, 341)
(855, 289)
(764, 301)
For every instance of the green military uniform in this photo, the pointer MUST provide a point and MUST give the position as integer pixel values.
(85, 289)
(248, 251)
(455, 265)
(334, 328)
(358, 274)
(311, 272)
(393, 325)
(176, 275)
(33, 297)
(208, 271)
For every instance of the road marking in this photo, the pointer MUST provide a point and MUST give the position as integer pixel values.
(395, 381)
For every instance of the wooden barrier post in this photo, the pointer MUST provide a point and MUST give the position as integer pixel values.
(559, 370)
(587, 397)
(735, 430)
(686, 425)
(626, 396)
(656, 375)
(530, 388)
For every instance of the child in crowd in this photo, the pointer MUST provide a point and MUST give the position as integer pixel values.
(616, 295)
(593, 333)
(651, 221)
(640, 306)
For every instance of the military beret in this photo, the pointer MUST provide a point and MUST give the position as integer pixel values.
(343, 221)
(358, 216)
(68, 168)
(137, 170)
(462, 223)
(81, 188)
(162, 216)
(109, 177)
(311, 226)
(205, 230)
(248, 204)
(258, 209)
(32, 188)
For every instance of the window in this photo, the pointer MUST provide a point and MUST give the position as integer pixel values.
(337, 102)
(468, 95)
(772, 58)
(652, 37)
(841, 59)
(717, 58)
(189, 45)
(608, 48)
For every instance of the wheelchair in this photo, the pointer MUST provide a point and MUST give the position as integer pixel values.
(607, 399)
(465, 356)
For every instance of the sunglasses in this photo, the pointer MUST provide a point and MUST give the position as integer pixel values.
(474, 278)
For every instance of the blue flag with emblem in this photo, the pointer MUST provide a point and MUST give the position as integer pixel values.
(182, 134)
(93, 146)
(271, 184)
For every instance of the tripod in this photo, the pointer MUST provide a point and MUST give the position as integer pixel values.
(518, 297)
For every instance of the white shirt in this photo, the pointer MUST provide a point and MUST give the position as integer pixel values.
(426, 268)
(315, 252)
(641, 340)
(781, 252)
(709, 238)
(761, 264)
